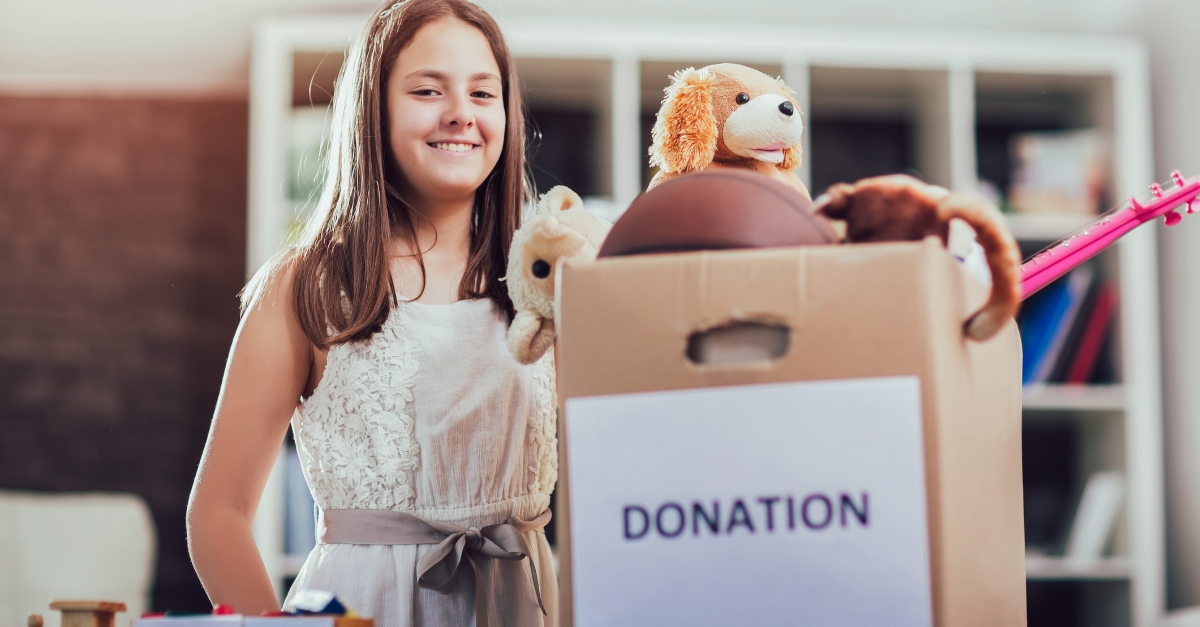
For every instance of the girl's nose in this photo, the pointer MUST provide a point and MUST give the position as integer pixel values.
(459, 112)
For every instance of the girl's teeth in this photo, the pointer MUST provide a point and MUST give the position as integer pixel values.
(455, 147)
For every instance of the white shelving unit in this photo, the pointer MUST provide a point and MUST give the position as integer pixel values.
(1074, 398)
(939, 82)
(1040, 568)
(1045, 228)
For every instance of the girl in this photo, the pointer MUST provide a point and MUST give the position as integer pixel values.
(430, 452)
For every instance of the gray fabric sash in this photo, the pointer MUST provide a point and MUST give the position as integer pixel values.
(438, 569)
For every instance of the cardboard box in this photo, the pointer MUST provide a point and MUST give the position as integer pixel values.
(865, 315)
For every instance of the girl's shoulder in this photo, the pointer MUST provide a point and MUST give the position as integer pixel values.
(270, 335)
(273, 284)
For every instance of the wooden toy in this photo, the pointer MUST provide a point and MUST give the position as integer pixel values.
(82, 613)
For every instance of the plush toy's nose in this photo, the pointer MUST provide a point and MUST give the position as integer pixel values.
(786, 108)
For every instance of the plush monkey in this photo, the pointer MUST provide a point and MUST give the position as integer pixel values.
(899, 207)
(731, 116)
(557, 229)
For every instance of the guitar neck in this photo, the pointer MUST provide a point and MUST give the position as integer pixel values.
(1068, 253)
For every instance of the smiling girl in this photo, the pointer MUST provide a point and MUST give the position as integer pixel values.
(381, 337)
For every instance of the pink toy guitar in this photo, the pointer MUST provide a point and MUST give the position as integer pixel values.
(1066, 254)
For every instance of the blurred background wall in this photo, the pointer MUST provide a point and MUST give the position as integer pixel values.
(121, 237)
(122, 181)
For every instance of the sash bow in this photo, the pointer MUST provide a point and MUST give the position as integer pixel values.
(438, 569)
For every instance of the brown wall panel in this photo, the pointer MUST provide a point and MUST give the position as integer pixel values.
(122, 238)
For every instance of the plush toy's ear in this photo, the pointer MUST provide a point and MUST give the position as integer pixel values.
(560, 198)
(792, 155)
(685, 132)
(529, 337)
(788, 92)
(1003, 257)
(835, 201)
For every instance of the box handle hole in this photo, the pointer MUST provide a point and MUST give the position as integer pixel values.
(738, 343)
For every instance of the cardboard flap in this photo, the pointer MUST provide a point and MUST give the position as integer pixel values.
(640, 311)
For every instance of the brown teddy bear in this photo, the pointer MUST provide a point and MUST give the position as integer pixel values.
(728, 115)
(898, 207)
(557, 229)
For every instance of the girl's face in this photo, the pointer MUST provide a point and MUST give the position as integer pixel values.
(445, 108)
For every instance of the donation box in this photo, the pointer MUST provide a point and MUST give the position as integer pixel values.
(797, 436)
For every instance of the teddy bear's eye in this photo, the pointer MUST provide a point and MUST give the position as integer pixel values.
(541, 269)
(742, 98)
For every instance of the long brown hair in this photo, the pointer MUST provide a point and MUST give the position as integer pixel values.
(342, 287)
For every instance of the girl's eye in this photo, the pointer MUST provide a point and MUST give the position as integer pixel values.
(482, 94)
(425, 92)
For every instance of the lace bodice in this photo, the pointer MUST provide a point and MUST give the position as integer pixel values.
(432, 415)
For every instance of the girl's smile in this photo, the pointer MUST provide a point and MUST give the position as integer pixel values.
(453, 147)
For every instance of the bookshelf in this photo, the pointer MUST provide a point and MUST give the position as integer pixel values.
(1043, 228)
(1074, 398)
(941, 105)
(1041, 568)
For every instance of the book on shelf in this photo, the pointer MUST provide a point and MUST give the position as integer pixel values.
(1096, 517)
(1077, 286)
(1064, 329)
(1086, 352)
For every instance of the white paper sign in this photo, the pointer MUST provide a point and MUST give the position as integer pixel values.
(777, 504)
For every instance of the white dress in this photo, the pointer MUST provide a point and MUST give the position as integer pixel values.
(431, 416)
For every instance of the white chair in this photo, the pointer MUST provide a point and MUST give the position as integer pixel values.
(73, 546)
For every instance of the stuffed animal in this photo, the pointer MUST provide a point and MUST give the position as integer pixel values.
(557, 229)
(899, 207)
(728, 116)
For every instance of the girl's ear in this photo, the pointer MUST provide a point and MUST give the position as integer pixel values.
(685, 133)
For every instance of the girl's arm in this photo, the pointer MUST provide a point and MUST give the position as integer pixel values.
(268, 368)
